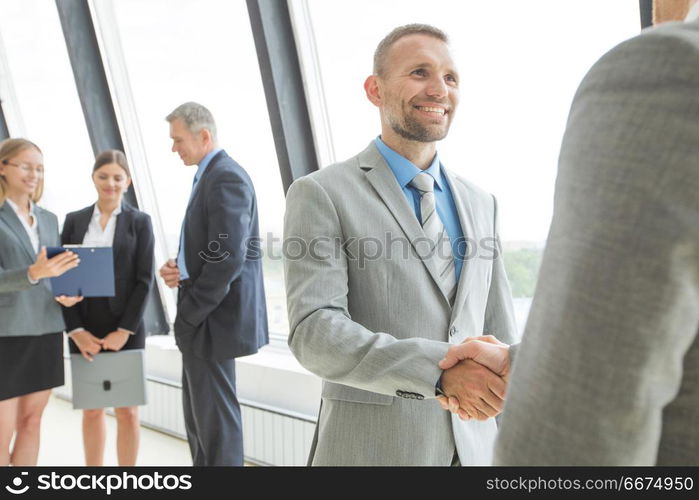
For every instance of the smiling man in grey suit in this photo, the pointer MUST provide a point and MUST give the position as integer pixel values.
(397, 258)
(608, 369)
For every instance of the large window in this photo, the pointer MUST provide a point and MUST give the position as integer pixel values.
(520, 64)
(48, 101)
(177, 51)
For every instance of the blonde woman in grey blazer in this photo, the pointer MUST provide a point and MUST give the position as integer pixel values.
(31, 323)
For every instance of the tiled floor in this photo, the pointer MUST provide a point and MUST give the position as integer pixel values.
(61, 440)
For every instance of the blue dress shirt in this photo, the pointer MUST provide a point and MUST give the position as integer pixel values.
(405, 171)
(181, 265)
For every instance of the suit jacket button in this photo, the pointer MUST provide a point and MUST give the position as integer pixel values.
(452, 331)
(400, 393)
(420, 397)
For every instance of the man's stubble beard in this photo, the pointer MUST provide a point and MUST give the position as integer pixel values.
(413, 130)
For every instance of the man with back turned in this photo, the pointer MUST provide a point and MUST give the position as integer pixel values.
(608, 369)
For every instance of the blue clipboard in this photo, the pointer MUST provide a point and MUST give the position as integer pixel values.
(94, 276)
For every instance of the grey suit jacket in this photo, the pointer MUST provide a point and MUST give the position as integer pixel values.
(25, 309)
(369, 318)
(608, 370)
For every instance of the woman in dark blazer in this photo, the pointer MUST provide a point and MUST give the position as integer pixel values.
(31, 324)
(115, 323)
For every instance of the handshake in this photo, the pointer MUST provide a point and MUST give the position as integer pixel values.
(475, 378)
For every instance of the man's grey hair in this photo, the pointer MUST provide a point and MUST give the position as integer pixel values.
(195, 117)
(401, 32)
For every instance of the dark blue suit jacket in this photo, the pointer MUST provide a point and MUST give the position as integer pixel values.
(222, 314)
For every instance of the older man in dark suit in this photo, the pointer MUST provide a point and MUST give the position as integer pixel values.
(221, 312)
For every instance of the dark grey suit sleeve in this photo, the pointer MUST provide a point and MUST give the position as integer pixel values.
(607, 370)
(514, 348)
(229, 205)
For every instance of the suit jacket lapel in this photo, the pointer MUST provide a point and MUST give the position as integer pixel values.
(47, 235)
(46, 239)
(210, 166)
(123, 221)
(82, 222)
(196, 191)
(10, 217)
(464, 209)
(381, 177)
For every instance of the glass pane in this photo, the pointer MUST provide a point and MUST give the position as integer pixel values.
(178, 51)
(48, 102)
(520, 64)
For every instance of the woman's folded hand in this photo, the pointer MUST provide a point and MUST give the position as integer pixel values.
(88, 344)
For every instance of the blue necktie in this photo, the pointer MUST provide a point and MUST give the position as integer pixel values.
(181, 265)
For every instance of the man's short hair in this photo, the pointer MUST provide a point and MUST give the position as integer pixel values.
(195, 117)
(398, 33)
